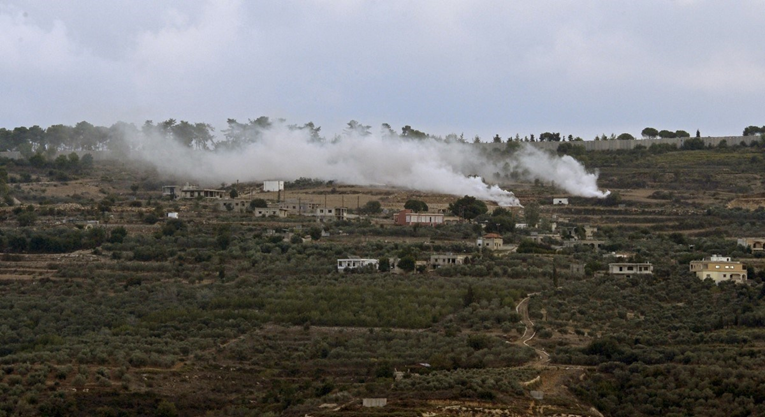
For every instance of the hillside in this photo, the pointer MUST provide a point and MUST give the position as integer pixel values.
(110, 307)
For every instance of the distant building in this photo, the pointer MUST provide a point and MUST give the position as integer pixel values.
(273, 186)
(269, 212)
(577, 269)
(619, 255)
(408, 217)
(171, 191)
(355, 263)
(172, 215)
(595, 244)
(374, 402)
(757, 244)
(560, 201)
(324, 214)
(193, 191)
(537, 237)
(490, 241)
(589, 232)
(719, 268)
(446, 260)
(630, 269)
(521, 226)
(294, 206)
(237, 206)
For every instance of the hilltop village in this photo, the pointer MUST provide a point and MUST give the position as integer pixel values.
(125, 288)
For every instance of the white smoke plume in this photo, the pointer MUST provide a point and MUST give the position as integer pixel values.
(424, 165)
(567, 173)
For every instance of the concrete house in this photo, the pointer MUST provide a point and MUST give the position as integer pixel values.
(630, 269)
(171, 191)
(449, 259)
(297, 207)
(408, 217)
(273, 186)
(324, 214)
(757, 244)
(490, 241)
(193, 191)
(355, 263)
(269, 212)
(560, 201)
(719, 268)
(231, 205)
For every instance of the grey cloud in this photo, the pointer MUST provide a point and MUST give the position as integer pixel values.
(479, 67)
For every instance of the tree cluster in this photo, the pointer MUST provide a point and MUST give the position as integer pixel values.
(652, 133)
(753, 130)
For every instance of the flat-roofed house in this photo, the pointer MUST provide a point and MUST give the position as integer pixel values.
(273, 186)
(193, 191)
(408, 217)
(269, 212)
(356, 263)
(328, 214)
(718, 269)
(630, 269)
(448, 259)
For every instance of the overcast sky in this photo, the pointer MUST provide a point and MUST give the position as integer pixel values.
(475, 67)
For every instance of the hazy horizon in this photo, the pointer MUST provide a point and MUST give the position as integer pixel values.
(474, 68)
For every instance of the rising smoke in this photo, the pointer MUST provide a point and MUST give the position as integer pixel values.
(425, 165)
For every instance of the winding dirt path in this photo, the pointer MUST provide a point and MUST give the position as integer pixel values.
(523, 309)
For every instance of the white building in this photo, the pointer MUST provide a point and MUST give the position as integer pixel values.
(354, 263)
(273, 186)
(630, 269)
(560, 201)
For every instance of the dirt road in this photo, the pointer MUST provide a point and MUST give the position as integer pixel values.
(523, 309)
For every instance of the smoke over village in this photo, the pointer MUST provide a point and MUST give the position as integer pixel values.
(387, 208)
(276, 150)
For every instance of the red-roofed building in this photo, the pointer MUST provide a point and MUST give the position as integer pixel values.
(490, 241)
